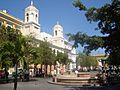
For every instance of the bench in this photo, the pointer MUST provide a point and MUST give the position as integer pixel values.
(6, 79)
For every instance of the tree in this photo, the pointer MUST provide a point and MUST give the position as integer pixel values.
(86, 60)
(9, 47)
(29, 52)
(62, 58)
(108, 21)
(5, 61)
(45, 54)
(14, 48)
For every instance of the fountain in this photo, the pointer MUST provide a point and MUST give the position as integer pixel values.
(82, 78)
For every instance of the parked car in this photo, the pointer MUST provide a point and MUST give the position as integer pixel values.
(3, 74)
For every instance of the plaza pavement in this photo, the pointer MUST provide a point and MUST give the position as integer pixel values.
(42, 84)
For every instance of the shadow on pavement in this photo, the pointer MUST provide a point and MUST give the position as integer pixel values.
(116, 87)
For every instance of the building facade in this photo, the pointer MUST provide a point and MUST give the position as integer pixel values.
(31, 26)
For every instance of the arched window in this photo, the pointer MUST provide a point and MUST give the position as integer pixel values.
(56, 32)
(27, 17)
(36, 17)
(32, 15)
(0, 23)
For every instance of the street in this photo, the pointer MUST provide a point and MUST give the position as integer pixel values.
(42, 84)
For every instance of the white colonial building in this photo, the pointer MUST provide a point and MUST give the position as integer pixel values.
(31, 26)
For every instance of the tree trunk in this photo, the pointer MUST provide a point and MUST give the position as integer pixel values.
(15, 79)
(6, 74)
(46, 70)
(50, 69)
(35, 69)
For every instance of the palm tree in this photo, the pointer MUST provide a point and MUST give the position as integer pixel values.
(14, 48)
(5, 61)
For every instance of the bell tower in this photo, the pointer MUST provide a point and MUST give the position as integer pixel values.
(58, 38)
(31, 14)
(58, 30)
(31, 26)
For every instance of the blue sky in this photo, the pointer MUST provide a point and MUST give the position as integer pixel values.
(52, 11)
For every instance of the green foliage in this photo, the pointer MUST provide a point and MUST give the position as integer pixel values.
(108, 21)
(77, 3)
(47, 56)
(86, 60)
(62, 58)
(28, 52)
(88, 42)
(7, 45)
(44, 53)
(13, 47)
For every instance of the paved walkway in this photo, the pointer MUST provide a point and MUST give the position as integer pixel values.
(42, 84)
